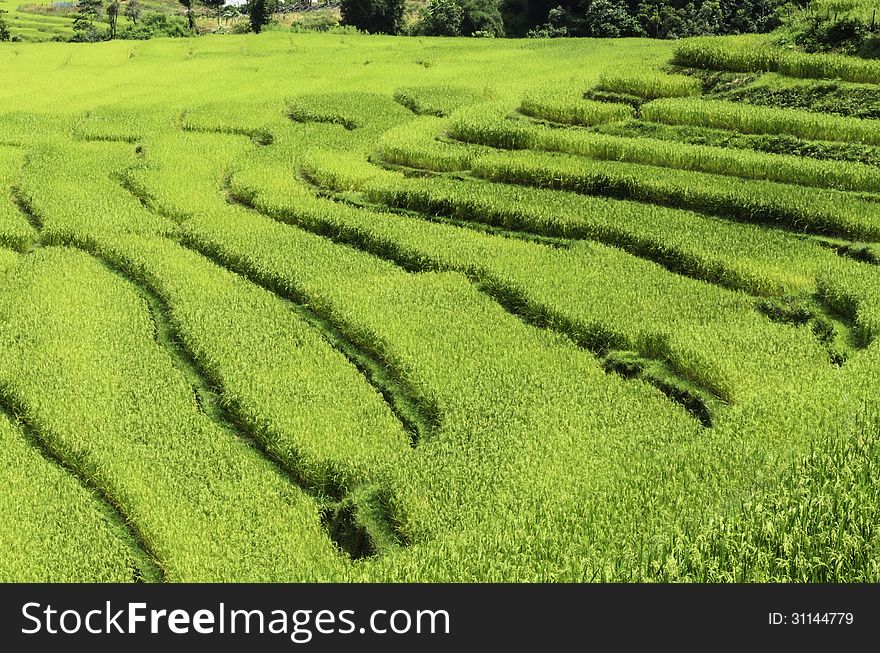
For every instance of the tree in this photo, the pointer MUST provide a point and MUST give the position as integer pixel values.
(481, 17)
(87, 12)
(113, 16)
(4, 28)
(607, 19)
(189, 5)
(376, 16)
(217, 6)
(441, 18)
(133, 10)
(259, 13)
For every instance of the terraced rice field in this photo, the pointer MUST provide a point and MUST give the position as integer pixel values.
(350, 308)
(35, 27)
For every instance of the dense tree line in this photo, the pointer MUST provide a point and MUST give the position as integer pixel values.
(654, 18)
(812, 31)
(600, 18)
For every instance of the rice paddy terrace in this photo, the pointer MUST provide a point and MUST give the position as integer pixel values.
(325, 307)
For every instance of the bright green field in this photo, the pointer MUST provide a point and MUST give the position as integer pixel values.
(321, 307)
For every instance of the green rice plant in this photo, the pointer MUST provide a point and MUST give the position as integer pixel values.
(812, 525)
(350, 110)
(680, 156)
(8, 259)
(830, 66)
(270, 348)
(308, 405)
(853, 292)
(15, 231)
(20, 128)
(416, 144)
(452, 248)
(485, 124)
(259, 120)
(741, 54)
(768, 143)
(73, 212)
(164, 177)
(748, 119)
(338, 171)
(648, 85)
(114, 406)
(572, 109)
(431, 304)
(121, 123)
(734, 255)
(56, 529)
(791, 207)
(831, 97)
(754, 54)
(561, 279)
(440, 101)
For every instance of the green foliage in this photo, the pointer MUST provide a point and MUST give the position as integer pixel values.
(481, 18)
(189, 7)
(153, 24)
(112, 10)
(84, 29)
(441, 18)
(132, 11)
(817, 32)
(654, 18)
(373, 16)
(592, 18)
(5, 34)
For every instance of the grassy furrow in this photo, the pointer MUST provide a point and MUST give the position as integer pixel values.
(80, 363)
(275, 373)
(752, 53)
(563, 106)
(768, 143)
(569, 288)
(55, 529)
(68, 189)
(437, 101)
(749, 119)
(479, 125)
(15, 231)
(782, 205)
(431, 324)
(648, 84)
(737, 256)
(416, 145)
